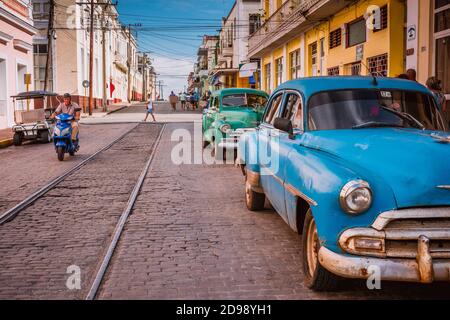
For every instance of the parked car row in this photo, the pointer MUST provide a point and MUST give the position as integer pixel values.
(359, 166)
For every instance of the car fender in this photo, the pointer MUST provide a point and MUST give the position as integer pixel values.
(318, 177)
(248, 151)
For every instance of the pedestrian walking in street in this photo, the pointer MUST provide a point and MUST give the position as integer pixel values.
(150, 111)
(194, 100)
(183, 101)
(173, 99)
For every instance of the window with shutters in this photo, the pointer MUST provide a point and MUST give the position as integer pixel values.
(333, 71)
(295, 64)
(279, 71)
(335, 38)
(378, 65)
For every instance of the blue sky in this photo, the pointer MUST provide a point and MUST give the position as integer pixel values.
(172, 30)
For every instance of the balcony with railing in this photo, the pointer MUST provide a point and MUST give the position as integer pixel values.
(226, 51)
(290, 20)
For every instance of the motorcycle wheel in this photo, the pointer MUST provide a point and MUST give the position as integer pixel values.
(60, 151)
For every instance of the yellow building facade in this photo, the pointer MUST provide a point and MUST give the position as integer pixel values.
(367, 37)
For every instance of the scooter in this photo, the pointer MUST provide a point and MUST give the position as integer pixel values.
(62, 136)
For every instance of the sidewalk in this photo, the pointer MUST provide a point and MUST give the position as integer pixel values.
(6, 136)
(136, 113)
(98, 113)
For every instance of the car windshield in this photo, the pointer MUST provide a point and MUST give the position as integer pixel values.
(358, 109)
(244, 100)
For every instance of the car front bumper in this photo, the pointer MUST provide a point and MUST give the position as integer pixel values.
(408, 270)
(414, 247)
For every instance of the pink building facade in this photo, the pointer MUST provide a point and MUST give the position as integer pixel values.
(16, 54)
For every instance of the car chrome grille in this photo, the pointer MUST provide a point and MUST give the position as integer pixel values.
(439, 249)
(426, 224)
(401, 237)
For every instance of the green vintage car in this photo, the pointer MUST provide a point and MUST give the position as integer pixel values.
(231, 113)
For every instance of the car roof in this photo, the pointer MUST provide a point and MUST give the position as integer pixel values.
(312, 85)
(238, 90)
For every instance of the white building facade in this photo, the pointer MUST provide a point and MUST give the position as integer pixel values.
(16, 55)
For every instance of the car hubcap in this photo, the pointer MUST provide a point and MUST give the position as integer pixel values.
(312, 248)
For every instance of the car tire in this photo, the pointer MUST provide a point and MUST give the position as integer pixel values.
(18, 139)
(44, 136)
(317, 277)
(61, 152)
(255, 201)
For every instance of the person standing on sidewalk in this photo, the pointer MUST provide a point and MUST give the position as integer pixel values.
(150, 111)
(412, 74)
(434, 85)
(173, 99)
(183, 101)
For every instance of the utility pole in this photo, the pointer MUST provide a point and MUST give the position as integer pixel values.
(129, 63)
(130, 58)
(105, 87)
(91, 60)
(144, 78)
(161, 92)
(49, 42)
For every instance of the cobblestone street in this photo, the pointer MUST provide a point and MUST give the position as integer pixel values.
(191, 236)
(72, 224)
(26, 168)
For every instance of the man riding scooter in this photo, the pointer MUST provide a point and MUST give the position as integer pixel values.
(70, 108)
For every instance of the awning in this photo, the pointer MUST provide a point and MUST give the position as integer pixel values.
(34, 95)
(203, 74)
(248, 69)
(223, 72)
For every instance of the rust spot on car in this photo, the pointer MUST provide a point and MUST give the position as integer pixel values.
(364, 272)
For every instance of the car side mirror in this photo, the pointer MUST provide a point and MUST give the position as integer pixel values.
(284, 125)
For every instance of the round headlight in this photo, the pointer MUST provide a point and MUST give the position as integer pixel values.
(356, 197)
(225, 128)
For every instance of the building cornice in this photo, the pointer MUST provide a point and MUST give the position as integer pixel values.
(16, 21)
(22, 45)
(4, 37)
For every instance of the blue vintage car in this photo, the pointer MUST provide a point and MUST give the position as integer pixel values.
(360, 166)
